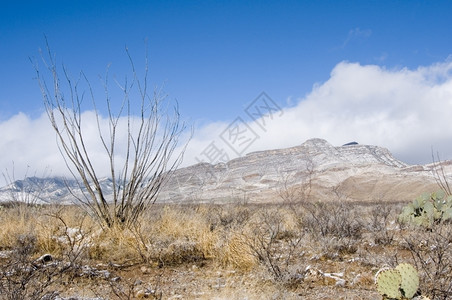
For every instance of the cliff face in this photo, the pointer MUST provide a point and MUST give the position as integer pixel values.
(315, 170)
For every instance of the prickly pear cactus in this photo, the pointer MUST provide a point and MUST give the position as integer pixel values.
(428, 209)
(402, 282)
(410, 280)
(388, 283)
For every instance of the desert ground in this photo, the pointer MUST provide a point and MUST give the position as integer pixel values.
(297, 250)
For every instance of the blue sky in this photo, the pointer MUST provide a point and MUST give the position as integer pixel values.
(215, 58)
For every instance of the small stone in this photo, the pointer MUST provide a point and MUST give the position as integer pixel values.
(45, 258)
(138, 282)
(141, 294)
(145, 270)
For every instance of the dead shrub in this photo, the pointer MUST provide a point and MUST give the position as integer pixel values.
(23, 277)
(227, 216)
(431, 251)
(274, 242)
(379, 224)
(337, 227)
(339, 220)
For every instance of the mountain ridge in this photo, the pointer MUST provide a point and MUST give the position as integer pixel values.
(259, 175)
(315, 168)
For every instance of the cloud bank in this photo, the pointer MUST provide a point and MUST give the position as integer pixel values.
(407, 111)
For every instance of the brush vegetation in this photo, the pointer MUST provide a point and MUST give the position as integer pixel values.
(202, 251)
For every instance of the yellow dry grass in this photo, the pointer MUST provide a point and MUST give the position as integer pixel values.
(190, 226)
(236, 252)
(15, 222)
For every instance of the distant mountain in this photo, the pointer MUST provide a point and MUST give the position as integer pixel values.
(315, 169)
(47, 190)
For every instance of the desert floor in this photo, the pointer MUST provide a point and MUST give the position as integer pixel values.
(300, 250)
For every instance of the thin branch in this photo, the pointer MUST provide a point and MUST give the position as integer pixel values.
(152, 138)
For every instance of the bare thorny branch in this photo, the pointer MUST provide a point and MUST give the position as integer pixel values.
(152, 138)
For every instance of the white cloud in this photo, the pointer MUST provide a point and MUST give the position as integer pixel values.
(29, 146)
(28, 142)
(406, 111)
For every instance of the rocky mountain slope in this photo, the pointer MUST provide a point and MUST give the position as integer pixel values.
(315, 169)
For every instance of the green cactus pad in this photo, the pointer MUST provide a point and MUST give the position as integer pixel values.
(388, 283)
(419, 202)
(428, 209)
(410, 280)
(448, 200)
(439, 204)
(438, 195)
(421, 221)
(447, 214)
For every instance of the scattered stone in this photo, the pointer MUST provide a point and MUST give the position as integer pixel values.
(314, 276)
(145, 270)
(5, 253)
(140, 294)
(363, 280)
(331, 279)
(44, 259)
(138, 282)
(88, 271)
(145, 293)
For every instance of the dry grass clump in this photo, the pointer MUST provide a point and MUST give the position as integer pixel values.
(235, 251)
(115, 245)
(65, 231)
(27, 270)
(16, 221)
(175, 236)
(189, 224)
(56, 229)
